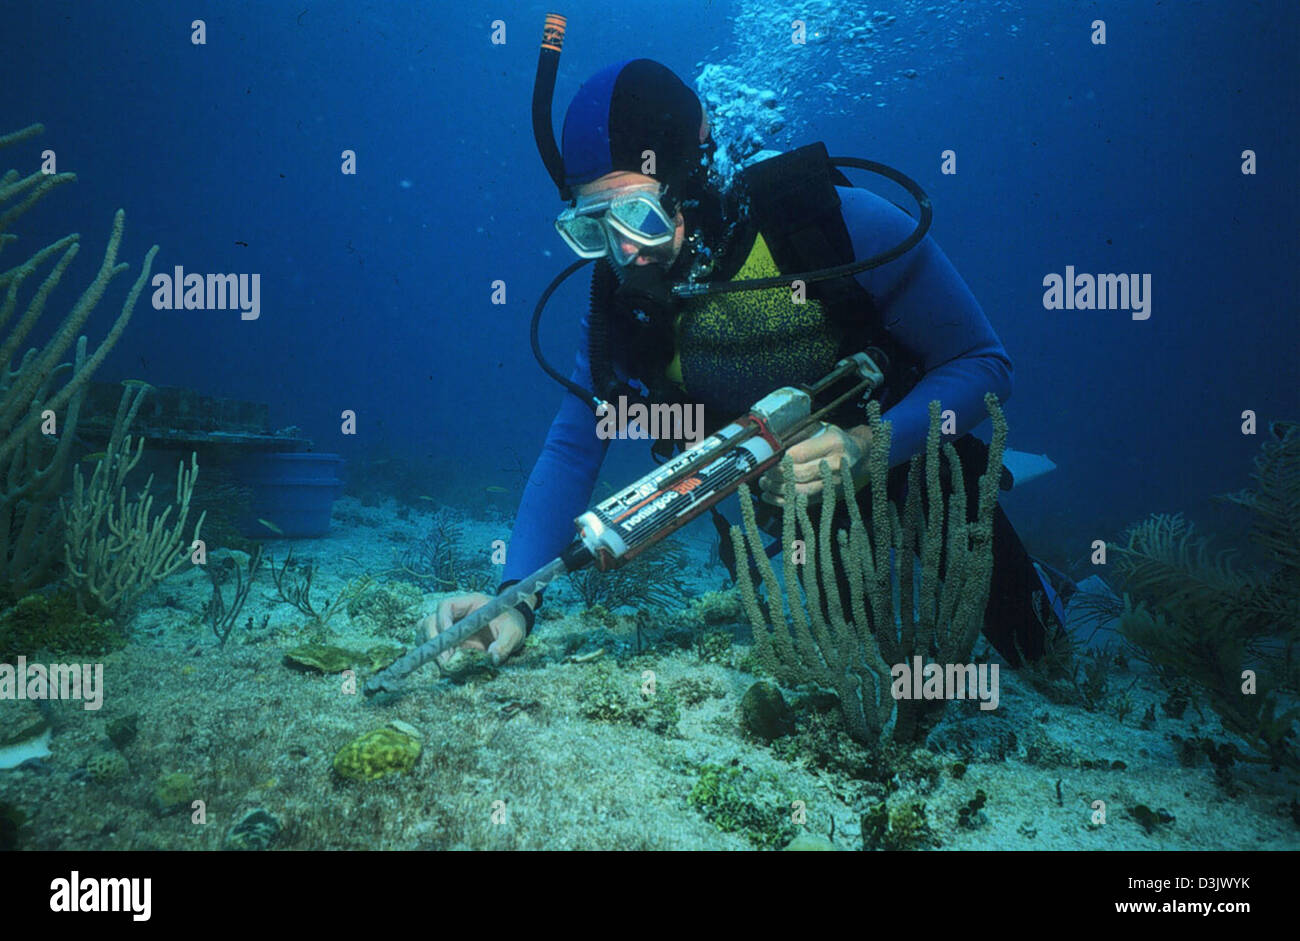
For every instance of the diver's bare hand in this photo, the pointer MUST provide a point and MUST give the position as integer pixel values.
(832, 444)
(503, 635)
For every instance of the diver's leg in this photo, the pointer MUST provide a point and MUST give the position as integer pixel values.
(1017, 616)
(1017, 613)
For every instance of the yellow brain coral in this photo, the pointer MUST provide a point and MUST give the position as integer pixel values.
(378, 753)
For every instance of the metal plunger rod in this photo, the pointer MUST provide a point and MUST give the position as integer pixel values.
(389, 680)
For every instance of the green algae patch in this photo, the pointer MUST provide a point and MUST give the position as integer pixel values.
(174, 792)
(382, 656)
(53, 624)
(744, 802)
(322, 658)
(378, 754)
(327, 658)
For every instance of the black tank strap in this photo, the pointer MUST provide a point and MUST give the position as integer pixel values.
(794, 203)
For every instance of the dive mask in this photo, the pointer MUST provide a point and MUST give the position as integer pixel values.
(611, 224)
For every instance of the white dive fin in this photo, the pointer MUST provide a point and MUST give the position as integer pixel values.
(1025, 467)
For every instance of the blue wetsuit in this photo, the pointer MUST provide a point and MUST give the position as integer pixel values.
(924, 304)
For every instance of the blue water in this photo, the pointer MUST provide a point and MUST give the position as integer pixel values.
(376, 288)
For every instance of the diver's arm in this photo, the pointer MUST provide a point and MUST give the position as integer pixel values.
(557, 491)
(560, 485)
(928, 309)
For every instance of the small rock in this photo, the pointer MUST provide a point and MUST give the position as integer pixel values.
(107, 767)
(322, 658)
(764, 712)
(256, 831)
(122, 730)
(405, 728)
(383, 656)
(21, 721)
(810, 842)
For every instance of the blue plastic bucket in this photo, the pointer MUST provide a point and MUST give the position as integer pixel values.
(294, 492)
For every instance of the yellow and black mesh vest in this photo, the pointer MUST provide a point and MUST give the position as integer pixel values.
(732, 349)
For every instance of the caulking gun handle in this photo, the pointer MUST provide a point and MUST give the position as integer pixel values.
(577, 556)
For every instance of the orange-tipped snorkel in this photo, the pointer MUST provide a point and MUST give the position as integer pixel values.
(548, 62)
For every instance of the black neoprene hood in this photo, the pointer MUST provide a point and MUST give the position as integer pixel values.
(624, 110)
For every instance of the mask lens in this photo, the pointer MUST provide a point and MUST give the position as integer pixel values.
(622, 227)
(642, 218)
(584, 234)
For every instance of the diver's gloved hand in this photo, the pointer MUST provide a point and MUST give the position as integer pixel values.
(839, 448)
(503, 635)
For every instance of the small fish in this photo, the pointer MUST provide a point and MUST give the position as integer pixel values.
(493, 488)
(430, 499)
(272, 527)
(241, 242)
(97, 456)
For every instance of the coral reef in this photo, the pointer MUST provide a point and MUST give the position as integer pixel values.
(390, 609)
(379, 753)
(605, 696)
(40, 397)
(734, 801)
(115, 548)
(52, 624)
(438, 562)
(1228, 633)
(293, 584)
(220, 614)
(893, 616)
(563, 781)
(654, 581)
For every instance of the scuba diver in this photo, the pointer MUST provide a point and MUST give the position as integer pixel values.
(691, 302)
